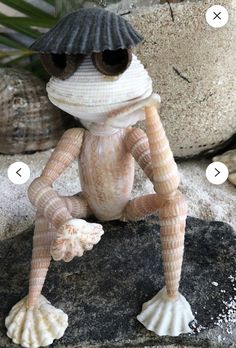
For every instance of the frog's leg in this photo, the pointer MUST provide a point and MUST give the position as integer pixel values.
(34, 322)
(168, 313)
(44, 235)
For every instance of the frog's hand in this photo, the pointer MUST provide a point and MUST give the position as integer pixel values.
(167, 316)
(74, 237)
(120, 116)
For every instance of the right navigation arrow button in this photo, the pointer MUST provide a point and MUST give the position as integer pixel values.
(217, 173)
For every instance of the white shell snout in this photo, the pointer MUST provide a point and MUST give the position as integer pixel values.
(90, 96)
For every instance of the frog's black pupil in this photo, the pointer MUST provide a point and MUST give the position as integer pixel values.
(114, 57)
(59, 60)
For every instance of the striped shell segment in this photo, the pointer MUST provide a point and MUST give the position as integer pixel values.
(165, 172)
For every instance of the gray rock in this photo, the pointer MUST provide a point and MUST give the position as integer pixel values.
(103, 292)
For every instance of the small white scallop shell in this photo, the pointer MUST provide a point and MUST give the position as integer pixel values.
(166, 316)
(229, 159)
(35, 327)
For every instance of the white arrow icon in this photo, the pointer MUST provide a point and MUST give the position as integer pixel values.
(217, 173)
(18, 173)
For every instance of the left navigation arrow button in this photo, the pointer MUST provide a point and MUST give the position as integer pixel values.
(18, 173)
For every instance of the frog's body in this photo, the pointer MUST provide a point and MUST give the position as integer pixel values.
(108, 107)
(106, 174)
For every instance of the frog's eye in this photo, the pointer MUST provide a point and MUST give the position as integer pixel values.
(61, 65)
(112, 63)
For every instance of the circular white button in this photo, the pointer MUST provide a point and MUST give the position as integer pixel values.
(217, 173)
(217, 16)
(18, 173)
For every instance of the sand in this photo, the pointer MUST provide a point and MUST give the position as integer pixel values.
(205, 200)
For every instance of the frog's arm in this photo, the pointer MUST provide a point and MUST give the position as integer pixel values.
(41, 194)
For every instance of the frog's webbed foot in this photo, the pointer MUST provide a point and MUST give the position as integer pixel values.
(74, 237)
(35, 326)
(167, 316)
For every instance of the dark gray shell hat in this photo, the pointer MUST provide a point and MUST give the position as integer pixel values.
(107, 37)
(86, 31)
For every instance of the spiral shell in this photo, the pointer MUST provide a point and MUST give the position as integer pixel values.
(28, 121)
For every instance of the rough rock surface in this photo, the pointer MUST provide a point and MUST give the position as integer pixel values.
(103, 292)
(193, 69)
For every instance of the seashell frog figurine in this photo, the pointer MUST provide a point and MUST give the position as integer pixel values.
(96, 78)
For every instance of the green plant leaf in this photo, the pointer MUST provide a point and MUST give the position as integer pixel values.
(26, 31)
(19, 28)
(27, 21)
(14, 61)
(13, 53)
(26, 8)
(24, 60)
(50, 2)
(37, 69)
(18, 55)
(9, 42)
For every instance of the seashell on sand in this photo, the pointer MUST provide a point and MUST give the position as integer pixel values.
(35, 327)
(166, 316)
(88, 27)
(28, 121)
(229, 159)
(232, 178)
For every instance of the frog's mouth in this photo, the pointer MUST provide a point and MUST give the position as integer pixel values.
(100, 113)
(122, 116)
(136, 111)
(91, 97)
